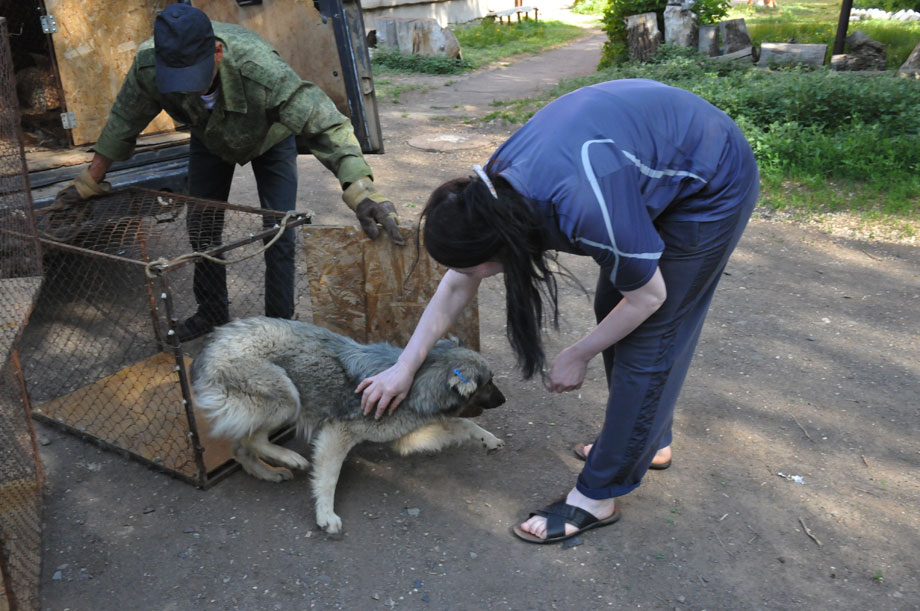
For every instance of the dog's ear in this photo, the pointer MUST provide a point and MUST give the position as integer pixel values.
(462, 384)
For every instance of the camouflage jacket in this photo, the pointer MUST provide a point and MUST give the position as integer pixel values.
(262, 101)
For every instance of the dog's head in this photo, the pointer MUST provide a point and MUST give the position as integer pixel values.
(469, 380)
(454, 381)
(476, 397)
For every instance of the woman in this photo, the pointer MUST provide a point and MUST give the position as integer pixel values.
(657, 186)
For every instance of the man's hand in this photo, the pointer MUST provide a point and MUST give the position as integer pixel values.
(86, 187)
(69, 210)
(373, 207)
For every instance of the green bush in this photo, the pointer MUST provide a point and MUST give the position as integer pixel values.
(614, 20)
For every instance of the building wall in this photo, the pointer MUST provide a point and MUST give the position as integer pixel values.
(444, 11)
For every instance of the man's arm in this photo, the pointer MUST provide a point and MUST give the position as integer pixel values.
(134, 108)
(307, 111)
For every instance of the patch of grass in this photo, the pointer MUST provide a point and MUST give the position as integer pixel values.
(480, 44)
(490, 41)
(388, 92)
(899, 37)
(825, 142)
(815, 22)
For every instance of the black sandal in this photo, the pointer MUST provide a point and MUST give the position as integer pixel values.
(559, 514)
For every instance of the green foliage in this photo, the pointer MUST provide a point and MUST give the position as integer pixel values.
(590, 7)
(711, 11)
(614, 20)
(385, 60)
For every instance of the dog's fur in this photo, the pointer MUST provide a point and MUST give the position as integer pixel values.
(257, 375)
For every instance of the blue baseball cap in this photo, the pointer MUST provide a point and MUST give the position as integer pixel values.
(183, 41)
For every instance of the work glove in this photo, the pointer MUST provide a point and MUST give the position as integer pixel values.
(70, 210)
(373, 207)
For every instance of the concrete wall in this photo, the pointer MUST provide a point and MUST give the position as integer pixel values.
(444, 11)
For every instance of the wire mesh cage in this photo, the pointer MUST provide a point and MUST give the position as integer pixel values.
(106, 352)
(20, 277)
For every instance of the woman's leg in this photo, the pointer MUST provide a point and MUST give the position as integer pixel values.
(650, 365)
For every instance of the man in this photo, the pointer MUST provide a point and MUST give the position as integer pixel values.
(242, 104)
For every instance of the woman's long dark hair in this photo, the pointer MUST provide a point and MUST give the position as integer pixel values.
(465, 225)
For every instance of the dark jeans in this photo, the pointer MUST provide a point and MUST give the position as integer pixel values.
(210, 178)
(646, 369)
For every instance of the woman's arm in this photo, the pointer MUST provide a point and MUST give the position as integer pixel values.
(388, 388)
(568, 370)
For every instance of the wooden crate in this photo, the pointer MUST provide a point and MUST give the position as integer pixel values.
(97, 39)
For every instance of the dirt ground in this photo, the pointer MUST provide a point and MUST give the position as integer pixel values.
(808, 366)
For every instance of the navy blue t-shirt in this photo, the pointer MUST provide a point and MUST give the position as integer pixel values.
(600, 164)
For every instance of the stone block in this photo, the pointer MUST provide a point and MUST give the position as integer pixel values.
(680, 26)
(642, 36)
(911, 67)
(415, 36)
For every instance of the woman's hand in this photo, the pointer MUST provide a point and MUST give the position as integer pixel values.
(568, 371)
(569, 368)
(386, 389)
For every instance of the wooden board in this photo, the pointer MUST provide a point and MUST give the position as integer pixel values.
(95, 45)
(363, 289)
(787, 53)
(139, 409)
(97, 40)
(296, 30)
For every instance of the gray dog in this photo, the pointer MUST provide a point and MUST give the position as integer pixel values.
(257, 375)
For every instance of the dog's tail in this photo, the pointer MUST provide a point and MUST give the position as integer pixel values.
(240, 402)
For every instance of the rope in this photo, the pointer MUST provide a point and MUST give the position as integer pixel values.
(163, 262)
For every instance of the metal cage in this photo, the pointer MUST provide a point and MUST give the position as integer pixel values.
(20, 277)
(101, 354)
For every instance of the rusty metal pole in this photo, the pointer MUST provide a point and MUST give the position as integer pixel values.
(842, 24)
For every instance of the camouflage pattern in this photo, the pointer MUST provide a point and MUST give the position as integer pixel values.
(262, 101)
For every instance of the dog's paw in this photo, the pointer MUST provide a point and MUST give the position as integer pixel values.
(329, 522)
(276, 474)
(263, 471)
(492, 443)
(293, 460)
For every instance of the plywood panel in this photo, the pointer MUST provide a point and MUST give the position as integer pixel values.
(95, 45)
(398, 283)
(363, 289)
(296, 30)
(335, 269)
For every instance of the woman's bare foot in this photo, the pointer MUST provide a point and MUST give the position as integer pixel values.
(662, 456)
(601, 509)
